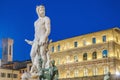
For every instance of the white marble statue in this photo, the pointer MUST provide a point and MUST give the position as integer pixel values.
(40, 42)
(41, 68)
(42, 31)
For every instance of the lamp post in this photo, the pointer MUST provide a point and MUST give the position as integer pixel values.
(117, 75)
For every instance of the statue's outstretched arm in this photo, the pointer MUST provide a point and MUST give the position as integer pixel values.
(29, 42)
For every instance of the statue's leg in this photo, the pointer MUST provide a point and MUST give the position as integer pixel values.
(43, 55)
(40, 71)
(33, 51)
(25, 76)
(32, 69)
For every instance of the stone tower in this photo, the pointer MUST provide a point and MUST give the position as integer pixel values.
(7, 50)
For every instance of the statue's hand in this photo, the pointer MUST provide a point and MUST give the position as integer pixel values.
(26, 40)
(42, 43)
(29, 42)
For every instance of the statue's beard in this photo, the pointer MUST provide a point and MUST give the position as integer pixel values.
(42, 14)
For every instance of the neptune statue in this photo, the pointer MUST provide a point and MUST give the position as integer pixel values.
(43, 68)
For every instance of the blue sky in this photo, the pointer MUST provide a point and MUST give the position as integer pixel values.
(69, 18)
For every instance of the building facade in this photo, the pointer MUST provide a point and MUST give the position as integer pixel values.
(14, 69)
(85, 57)
(88, 57)
(9, 74)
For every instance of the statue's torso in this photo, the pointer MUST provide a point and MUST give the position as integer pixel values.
(40, 28)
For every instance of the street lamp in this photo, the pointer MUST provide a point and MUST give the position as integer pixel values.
(117, 75)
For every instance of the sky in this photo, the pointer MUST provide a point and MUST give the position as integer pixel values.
(69, 18)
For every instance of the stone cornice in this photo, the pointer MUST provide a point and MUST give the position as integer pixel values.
(90, 63)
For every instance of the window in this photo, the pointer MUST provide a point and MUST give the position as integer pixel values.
(68, 74)
(11, 75)
(75, 44)
(3, 75)
(85, 56)
(105, 53)
(76, 73)
(58, 61)
(8, 75)
(94, 55)
(15, 75)
(67, 45)
(75, 58)
(106, 69)
(95, 71)
(84, 42)
(58, 47)
(52, 49)
(85, 72)
(10, 49)
(104, 38)
(94, 40)
(67, 59)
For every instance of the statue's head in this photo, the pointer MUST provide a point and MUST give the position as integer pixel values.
(40, 10)
(52, 62)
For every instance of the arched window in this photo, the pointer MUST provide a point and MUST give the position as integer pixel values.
(58, 47)
(75, 58)
(95, 71)
(85, 72)
(68, 74)
(105, 53)
(67, 59)
(76, 73)
(58, 61)
(94, 55)
(106, 69)
(85, 56)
